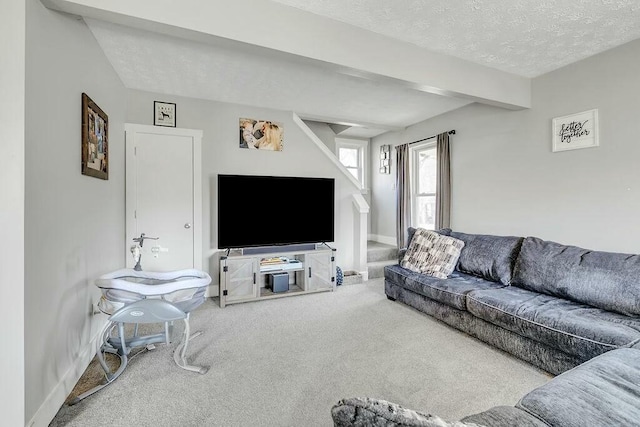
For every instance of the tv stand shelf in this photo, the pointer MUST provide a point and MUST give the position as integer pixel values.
(268, 293)
(244, 278)
(290, 266)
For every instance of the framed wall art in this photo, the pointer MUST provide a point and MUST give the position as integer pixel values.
(95, 140)
(385, 159)
(164, 113)
(261, 134)
(575, 131)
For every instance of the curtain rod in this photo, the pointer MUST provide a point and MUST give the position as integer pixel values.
(451, 132)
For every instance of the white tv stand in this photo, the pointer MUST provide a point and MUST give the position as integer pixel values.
(243, 278)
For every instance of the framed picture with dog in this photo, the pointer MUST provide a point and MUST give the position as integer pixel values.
(164, 113)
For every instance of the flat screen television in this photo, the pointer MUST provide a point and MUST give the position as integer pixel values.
(256, 210)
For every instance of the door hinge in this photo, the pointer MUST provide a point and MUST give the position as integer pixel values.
(333, 259)
(224, 292)
(333, 279)
(225, 269)
(135, 151)
(135, 214)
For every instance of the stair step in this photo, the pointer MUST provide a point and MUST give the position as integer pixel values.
(379, 251)
(379, 255)
(376, 268)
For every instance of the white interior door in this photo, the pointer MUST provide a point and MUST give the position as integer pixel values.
(163, 196)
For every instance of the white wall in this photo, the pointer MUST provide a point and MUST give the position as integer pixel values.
(324, 133)
(506, 179)
(12, 121)
(382, 197)
(221, 154)
(74, 223)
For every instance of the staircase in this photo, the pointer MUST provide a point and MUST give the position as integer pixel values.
(380, 255)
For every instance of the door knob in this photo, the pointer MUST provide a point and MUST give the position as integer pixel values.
(187, 225)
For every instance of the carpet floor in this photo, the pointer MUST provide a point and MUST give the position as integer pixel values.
(285, 362)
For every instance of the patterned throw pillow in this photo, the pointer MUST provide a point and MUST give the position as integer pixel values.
(366, 411)
(432, 253)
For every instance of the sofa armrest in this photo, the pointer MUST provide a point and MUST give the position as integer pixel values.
(376, 412)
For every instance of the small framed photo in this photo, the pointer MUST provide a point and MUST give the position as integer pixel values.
(575, 131)
(164, 113)
(385, 159)
(95, 140)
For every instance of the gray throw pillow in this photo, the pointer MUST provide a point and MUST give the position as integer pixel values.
(377, 412)
(488, 256)
(432, 254)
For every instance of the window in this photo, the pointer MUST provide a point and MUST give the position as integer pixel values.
(352, 154)
(423, 186)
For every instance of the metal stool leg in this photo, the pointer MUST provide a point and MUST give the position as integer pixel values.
(179, 355)
(106, 347)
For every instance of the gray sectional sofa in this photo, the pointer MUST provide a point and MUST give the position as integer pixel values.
(603, 392)
(567, 310)
(552, 305)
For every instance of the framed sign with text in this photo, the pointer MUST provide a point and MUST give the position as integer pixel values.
(575, 131)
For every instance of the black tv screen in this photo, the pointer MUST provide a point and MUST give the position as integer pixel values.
(258, 210)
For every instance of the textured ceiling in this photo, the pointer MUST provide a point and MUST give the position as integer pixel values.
(525, 37)
(159, 63)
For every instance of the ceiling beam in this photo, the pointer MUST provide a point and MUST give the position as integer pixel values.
(345, 48)
(338, 129)
(342, 122)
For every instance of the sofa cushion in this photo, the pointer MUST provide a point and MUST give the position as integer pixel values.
(505, 416)
(607, 280)
(604, 391)
(452, 291)
(432, 253)
(367, 411)
(487, 256)
(398, 275)
(576, 329)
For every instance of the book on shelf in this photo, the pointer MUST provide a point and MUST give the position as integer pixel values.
(274, 260)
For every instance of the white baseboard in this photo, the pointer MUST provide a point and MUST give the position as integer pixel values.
(383, 239)
(61, 391)
(212, 291)
(365, 275)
